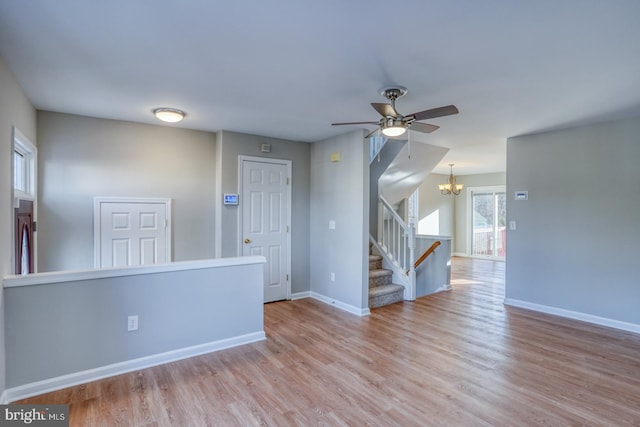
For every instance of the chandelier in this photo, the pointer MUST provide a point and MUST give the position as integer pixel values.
(451, 187)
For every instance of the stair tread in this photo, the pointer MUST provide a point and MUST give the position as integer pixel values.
(375, 257)
(381, 272)
(384, 290)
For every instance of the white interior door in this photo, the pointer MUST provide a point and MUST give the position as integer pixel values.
(132, 232)
(265, 203)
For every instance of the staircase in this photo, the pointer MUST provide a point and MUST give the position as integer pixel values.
(396, 169)
(381, 290)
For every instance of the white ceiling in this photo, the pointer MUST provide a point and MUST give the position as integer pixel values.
(289, 68)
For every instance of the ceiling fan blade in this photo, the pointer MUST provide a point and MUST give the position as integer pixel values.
(423, 127)
(385, 110)
(435, 112)
(355, 123)
(370, 134)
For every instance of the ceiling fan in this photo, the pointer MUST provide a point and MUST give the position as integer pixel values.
(394, 124)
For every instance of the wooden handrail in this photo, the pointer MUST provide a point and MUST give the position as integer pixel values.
(426, 254)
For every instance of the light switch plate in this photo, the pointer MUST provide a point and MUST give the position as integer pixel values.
(132, 323)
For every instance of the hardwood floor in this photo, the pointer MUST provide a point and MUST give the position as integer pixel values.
(457, 358)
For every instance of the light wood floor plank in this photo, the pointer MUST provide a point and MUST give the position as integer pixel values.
(457, 358)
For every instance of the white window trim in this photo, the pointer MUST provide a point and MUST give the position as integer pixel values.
(24, 146)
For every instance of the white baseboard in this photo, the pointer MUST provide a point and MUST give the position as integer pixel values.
(52, 384)
(460, 254)
(341, 305)
(576, 315)
(443, 288)
(4, 399)
(301, 295)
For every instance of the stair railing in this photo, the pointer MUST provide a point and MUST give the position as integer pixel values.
(426, 254)
(398, 240)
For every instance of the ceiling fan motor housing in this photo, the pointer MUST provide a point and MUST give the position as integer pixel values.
(393, 92)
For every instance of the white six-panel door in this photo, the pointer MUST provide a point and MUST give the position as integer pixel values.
(265, 221)
(130, 232)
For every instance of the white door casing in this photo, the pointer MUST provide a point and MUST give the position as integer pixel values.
(28, 153)
(490, 243)
(131, 231)
(265, 206)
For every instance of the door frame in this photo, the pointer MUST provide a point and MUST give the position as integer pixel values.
(21, 143)
(288, 163)
(97, 221)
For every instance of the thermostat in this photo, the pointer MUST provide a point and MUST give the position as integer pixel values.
(522, 195)
(230, 199)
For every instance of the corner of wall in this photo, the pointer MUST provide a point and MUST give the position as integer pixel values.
(339, 229)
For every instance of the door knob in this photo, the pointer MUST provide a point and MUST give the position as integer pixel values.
(247, 240)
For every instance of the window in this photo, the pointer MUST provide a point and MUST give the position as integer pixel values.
(19, 170)
(24, 167)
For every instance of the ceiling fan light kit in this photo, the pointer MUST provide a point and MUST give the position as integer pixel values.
(393, 127)
(393, 124)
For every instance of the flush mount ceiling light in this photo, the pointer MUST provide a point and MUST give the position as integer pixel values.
(169, 115)
(450, 187)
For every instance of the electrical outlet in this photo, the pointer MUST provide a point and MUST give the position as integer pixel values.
(132, 323)
(333, 276)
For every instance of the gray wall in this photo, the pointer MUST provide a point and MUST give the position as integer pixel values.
(433, 203)
(461, 241)
(577, 236)
(340, 192)
(434, 274)
(187, 308)
(15, 110)
(389, 151)
(82, 157)
(230, 145)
